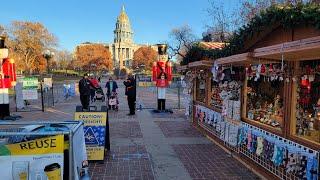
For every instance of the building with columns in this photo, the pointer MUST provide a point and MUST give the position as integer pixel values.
(123, 46)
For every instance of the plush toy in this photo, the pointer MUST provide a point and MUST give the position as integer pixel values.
(310, 125)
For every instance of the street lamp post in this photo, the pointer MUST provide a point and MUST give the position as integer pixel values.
(47, 54)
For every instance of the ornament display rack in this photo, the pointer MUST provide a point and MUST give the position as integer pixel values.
(278, 171)
(221, 132)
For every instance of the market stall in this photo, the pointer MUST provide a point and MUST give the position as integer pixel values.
(264, 103)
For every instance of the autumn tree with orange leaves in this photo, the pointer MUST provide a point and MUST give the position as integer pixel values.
(27, 42)
(144, 57)
(89, 54)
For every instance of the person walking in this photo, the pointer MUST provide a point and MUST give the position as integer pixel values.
(130, 92)
(84, 88)
(112, 87)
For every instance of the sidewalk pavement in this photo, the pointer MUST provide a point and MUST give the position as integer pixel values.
(148, 146)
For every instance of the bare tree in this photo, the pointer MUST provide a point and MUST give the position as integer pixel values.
(221, 26)
(182, 40)
(251, 8)
(2, 29)
(63, 59)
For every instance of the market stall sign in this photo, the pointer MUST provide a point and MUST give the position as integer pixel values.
(30, 83)
(94, 133)
(145, 84)
(30, 88)
(40, 158)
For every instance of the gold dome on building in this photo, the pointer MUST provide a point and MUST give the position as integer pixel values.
(123, 17)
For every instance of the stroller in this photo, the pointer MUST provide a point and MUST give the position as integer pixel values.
(113, 101)
(99, 94)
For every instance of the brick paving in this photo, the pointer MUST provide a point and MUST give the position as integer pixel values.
(177, 115)
(178, 129)
(125, 162)
(145, 161)
(125, 130)
(208, 161)
(147, 97)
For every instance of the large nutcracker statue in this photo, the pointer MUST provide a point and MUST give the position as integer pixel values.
(162, 75)
(7, 78)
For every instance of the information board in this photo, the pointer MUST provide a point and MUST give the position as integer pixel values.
(47, 82)
(30, 88)
(94, 133)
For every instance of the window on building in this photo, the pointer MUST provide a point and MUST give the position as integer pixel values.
(127, 53)
(306, 93)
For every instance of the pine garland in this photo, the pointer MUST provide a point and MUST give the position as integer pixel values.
(288, 16)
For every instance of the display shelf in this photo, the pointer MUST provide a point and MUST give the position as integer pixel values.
(277, 131)
(304, 141)
(235, 122)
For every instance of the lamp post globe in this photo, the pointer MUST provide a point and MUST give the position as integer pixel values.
(47, 54)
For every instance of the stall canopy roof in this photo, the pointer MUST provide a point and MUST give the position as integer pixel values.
(304, 49)
(244, 58)
(212, 45)
(182, 68)
(203, 63)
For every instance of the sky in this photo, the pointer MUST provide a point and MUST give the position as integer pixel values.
(77, 21)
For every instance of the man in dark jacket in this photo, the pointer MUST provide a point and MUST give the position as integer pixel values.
(84, 88)
(130, 84)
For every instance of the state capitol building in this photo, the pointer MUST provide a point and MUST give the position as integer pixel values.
(123, 46)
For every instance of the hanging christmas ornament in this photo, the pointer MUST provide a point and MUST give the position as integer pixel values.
(287, 80)
(249, 70)
(270, 68)
(263, 69)
(308, 70)
(281, 78)
(259, 69)
(311, 77)
(304, 82)
(294, 79)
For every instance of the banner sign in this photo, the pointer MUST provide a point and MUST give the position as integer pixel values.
(145, 84)
(30, 83)
(94, 133)
(144, 78)
(30, 88)
(36, 159)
